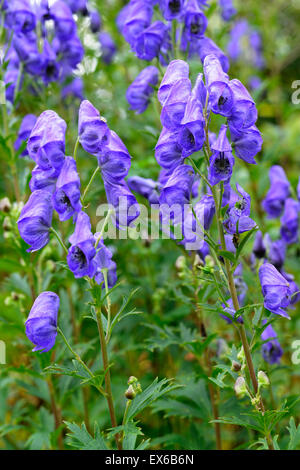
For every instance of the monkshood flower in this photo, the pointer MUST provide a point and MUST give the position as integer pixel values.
(238, 220)
(191, 135)
(137, 17)
(290, 221)
(74, 89)
(71, 53)
(66, 198)
(103, 261)
(35, 220)
(256, 44)
(168, 152)
(41, 324)
(244, 112)
(95, 21)
(46, 144)
(238, 31)
(114, 159)
(146, 187)
(177, 190)
(140, 91)
(279, 190)
(28, 53)
(78, 6)
(20, 16)
(259, 247)
(271, 351)
(51, 67)
(123, 201)
(221, 161)
(81, 254)
(148, 43)
(65, 25)
(206, 207)
(108, 47)
(227, 9)
(41, 179)
(254, 82)
(171, 9)
(173, 94)
(25, 129)
(230, 312)
(247, 143)
(221, 97)
(206, 46)
(275, 289)
(195, 22)
(275, 251)
(93, 132)
(177, 71)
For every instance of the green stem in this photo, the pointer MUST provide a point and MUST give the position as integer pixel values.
(104, 272)
(77, 357)
(89, 184)
(76, 148)
(110, 211)
(174, 30)
(12, 152)
(59, 239)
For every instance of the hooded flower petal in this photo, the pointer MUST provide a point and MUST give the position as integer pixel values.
(82, 251)
(168, 152)
(290, 221)
(275, 289)
(271, 351)
(25, 129)
(114, 159)
(41, 324)
(35, 220)
(146, 187)
(148, 43)
(279, 190)
(103, 260)
(246, 144)
(221, 97)
(123, 201)
(92, 130)
(244, 112)
(195, 21)
(139, 92)
(66, 198)
(222, 161)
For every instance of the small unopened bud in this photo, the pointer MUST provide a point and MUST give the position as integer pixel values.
(240, 387)
(241, 355)
(263, 380)
(198, 261)
(6, 224)
(5, 205)
(132, 379)
(180, 263)
(236, 366)
(130, 393)
(15, 296)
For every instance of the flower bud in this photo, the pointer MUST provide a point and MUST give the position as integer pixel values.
(263, 380)
(240, 387)
(5, 205)
(236, 366)
(241, 355)
(180, 263)
(130, 394)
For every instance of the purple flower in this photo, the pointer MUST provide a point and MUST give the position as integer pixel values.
(95, 21)
(140, 91)
(41, 179)
(24, 132)
(35, 220)
(177, 71)
(173, 94)
(108, 47)
(271, 351)
(92, 130)
(205, 210)
(195, 22)
(238, 31)
(114, 159)
(41, 324)
(244, 112)
(148, 43)
(247, 143)
(191, 135)
(146, 187)
(279, 190)
(19, 16)
(178, 187)
(256, 44)
(50, 65)
(238, 220)
(206, 46)
(227, 9)
(221, 97)
(65, 25)
(168, 152)
(78, 6)
(137, 17)
(46, 144)
(259, 247)
(222, 160)
(72, 53)
(172, 9)
(275, 251)
(103, 260)
(81, 254)
(73, 89)
(275, 289)
(290, 221)
(230, 312)
(294, 288)
(28, 53)
(123, 201)
(66, 198)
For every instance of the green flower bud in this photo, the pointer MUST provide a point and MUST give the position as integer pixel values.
(240, 387)
(130, 394)
(5, 205)
(180, 263)
(263, 380)
(236, 366)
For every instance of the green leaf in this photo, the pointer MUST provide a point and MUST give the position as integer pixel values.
(244, 242)
(294, 435)
(80, 438)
